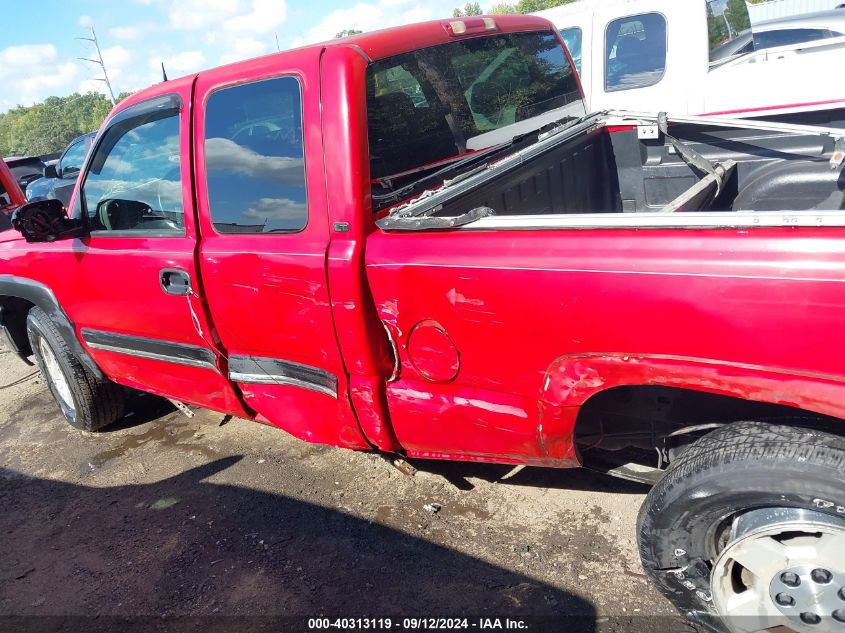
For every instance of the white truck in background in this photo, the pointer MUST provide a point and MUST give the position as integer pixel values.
(668, 55)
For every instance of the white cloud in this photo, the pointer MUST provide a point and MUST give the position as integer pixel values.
(369, 16)
(277, 209)
(178, 64)
(85, 21)
(116, 57)
(263, 17)
(127, 33)
(117, 60)
(244, 48)
(201, 14)
(35, 72)
(226, 155)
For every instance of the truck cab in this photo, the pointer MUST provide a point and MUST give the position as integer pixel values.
(699, 58)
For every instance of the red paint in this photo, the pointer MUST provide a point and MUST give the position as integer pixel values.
(788, 106)
(10, 186)
(432, 352)
(501, 335)
(514, 302)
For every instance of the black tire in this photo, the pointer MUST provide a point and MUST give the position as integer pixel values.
(95, 403)
(741, 467)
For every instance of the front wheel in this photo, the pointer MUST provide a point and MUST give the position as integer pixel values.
(746, 531)
(86, 402)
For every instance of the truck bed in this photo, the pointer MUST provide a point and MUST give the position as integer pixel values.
(610, 170)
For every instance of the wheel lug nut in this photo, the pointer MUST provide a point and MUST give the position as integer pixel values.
(810, 618)
(839, 615)
(785, 600)
(842, 593)
(790, 579)
(821, 576)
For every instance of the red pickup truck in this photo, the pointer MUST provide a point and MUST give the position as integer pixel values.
(416, 241)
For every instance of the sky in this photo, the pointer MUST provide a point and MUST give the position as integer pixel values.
(39, 49)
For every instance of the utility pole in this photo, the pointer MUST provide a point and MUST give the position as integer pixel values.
(99, 62)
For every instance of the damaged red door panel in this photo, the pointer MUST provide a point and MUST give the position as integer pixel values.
(262, 209)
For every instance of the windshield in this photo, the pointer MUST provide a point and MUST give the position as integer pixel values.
(439, 102)
(727, 20)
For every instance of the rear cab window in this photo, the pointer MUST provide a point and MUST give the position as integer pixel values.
(635, 52)
(255, 159)
(440, 102)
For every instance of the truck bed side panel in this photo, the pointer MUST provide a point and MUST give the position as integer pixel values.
(542, 320)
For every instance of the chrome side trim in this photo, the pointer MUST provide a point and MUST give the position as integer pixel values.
(657, 220)
(153, 356)
(152, 349)
(273, 371)
(263, 379)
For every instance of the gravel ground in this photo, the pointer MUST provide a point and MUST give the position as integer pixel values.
(203, 516)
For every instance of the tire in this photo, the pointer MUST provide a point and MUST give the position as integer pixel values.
(86, 402)
(696, 524)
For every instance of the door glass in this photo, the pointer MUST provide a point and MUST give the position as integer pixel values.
(635, 52)
(572, 38)
(72, 160)
(254, 158)
(134, 182)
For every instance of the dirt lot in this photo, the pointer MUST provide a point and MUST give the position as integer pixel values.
(169, 515)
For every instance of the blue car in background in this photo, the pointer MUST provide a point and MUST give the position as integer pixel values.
(59, 179)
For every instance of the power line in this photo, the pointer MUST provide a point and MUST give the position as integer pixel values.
(99, 62)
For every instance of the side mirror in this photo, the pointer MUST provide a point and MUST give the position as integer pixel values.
(45, 221)
(50, 171)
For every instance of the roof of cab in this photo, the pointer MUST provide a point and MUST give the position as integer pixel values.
(401, 39)
(374, 45)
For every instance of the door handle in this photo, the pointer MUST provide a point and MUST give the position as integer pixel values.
(175, 282)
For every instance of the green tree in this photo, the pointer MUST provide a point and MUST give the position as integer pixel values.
(532, 6)
(48, 127)
(347, 33)
(522, 6)
(470, 8)
(737, 14)
(503, 8)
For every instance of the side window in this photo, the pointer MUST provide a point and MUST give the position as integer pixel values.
(134, 182)
(635, 52)
(73, 159)
(572, 38)
(254, 158)
(788, 37)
